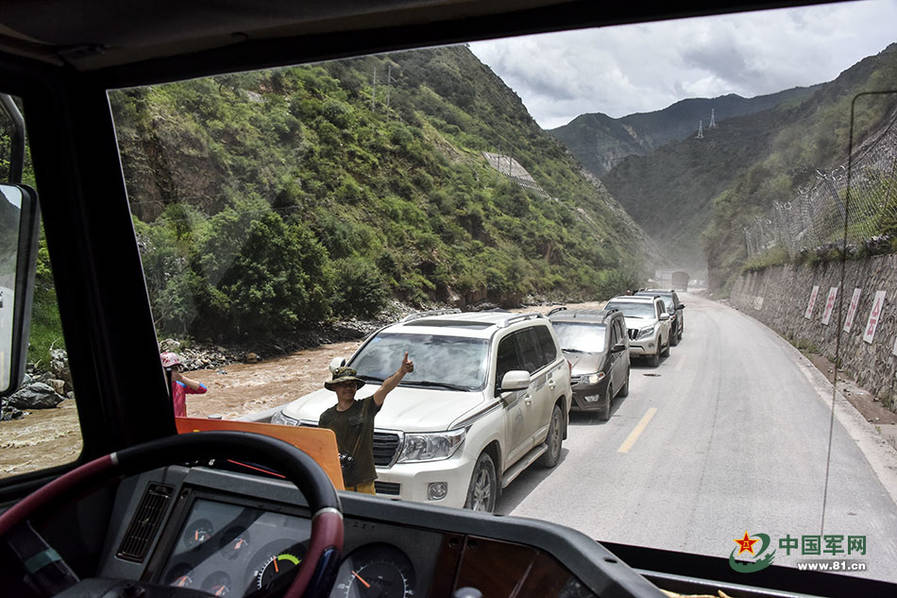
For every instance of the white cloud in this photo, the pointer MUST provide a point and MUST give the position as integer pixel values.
(645, 67)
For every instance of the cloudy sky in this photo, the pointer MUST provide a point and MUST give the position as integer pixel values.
(640, 68)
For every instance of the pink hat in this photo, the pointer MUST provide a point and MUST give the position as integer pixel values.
(170, 359)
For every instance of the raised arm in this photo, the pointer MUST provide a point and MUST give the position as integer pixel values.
(393, 381)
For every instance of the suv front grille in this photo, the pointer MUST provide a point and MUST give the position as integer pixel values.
(391, 488)
(574, 380)
(633, 333)
(386, 447)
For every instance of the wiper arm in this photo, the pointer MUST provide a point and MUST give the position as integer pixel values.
(574, 350)
(370, 378)
(436, 384)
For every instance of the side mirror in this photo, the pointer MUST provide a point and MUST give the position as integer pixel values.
(680, 306)
(18, 255)
(618, 348)
(514, 380)
(664, 317)
(336, 362)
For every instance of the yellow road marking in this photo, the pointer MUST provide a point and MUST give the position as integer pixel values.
(633, 436)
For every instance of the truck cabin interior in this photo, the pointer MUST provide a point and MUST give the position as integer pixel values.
(116, 527)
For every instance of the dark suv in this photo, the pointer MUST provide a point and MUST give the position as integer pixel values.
(673, 307)
(597, 347)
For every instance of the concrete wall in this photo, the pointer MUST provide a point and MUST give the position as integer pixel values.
(779, 297)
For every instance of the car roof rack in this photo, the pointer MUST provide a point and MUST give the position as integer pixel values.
(432, 312)
(557, 309)
(519, 318)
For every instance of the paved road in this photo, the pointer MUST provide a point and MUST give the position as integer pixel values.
(734, 438)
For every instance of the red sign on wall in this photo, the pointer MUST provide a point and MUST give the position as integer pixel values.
(829, 305)
(809, 313)
(874, 316)
(852, 310)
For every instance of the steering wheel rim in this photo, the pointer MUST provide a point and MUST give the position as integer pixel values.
(326, 539)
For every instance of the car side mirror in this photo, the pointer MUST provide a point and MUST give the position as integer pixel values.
(18, 256)
(514, 380)
(664, 316)
(336, 362)
(618, 348)
(680, 306)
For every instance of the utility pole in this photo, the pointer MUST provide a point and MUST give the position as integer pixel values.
(700, 130)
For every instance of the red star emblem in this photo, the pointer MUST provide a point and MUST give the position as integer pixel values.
(745, 544)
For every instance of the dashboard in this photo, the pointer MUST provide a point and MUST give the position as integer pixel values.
(238, 535)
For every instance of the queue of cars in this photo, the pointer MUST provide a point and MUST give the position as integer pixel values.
(491, 391)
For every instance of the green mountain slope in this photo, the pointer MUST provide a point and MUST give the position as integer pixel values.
(601, 142)
(269, 200)
(695, 196)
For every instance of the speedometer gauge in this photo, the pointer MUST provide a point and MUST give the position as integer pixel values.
(375, 571)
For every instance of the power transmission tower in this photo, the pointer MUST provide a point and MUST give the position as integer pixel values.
(373, 87)
(388, 83)
(712, 124)
(700, 130)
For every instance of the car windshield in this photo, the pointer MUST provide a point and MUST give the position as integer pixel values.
(452, 362)
(667, 300)
(583, 337)
(283, 215)
(634, 309)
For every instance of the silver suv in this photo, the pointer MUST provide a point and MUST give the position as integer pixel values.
(490, 394)
(647, 323)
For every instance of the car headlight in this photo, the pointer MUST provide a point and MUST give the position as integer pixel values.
(283, 419)
(431, 447)
(594, 378)
(646, 331)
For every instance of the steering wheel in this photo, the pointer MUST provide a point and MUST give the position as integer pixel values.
(317, 569)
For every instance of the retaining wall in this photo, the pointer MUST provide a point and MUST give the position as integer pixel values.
(780, 297)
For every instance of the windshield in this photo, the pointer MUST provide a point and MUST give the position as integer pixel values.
(453, 362)
(667, 300)
(587, 338)
(282, 215)
(634, 310)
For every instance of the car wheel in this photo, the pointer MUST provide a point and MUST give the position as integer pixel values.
(483, 491)
(666, 351)
(555, 437)
(604, 412)
(654, 360)
(624, 390)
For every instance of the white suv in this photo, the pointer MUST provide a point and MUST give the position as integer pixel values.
(489, 395)
(648, 325)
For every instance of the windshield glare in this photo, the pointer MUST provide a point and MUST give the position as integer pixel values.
(450, 360)
(634, 310)
(573, 336)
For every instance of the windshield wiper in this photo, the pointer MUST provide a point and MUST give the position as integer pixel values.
(436, 384)
(574, 350)
(370, 378)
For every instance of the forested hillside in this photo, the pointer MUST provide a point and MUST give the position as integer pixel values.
(271, 200)
(696, 196)
(601, 142)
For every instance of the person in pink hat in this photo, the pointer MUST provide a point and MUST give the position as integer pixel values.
(181, 385)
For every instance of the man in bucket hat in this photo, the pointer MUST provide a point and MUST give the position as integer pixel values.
(353, 423)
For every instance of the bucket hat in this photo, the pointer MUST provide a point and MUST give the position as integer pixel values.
(344, 374)
(170, 359)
